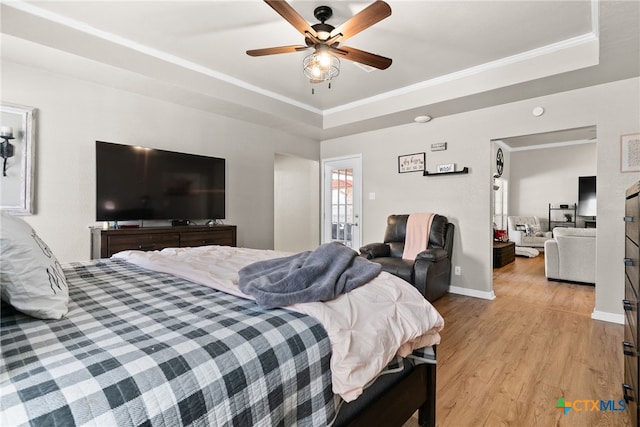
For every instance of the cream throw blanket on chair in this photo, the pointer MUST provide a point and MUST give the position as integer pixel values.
(417, 237)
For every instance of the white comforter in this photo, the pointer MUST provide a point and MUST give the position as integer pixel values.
(367, 327)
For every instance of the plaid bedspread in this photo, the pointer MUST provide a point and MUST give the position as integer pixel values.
(145, 348)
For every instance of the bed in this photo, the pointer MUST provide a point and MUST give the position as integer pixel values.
(143, 346)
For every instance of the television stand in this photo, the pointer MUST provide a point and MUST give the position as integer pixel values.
(105, 243)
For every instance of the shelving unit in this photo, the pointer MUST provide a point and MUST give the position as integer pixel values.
(558, 215)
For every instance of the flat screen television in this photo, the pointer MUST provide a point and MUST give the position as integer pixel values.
(136, 183)
(586, 196)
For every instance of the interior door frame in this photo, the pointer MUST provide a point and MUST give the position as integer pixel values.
(354, 161)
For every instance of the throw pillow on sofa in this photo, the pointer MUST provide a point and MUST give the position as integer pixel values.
(533, 230)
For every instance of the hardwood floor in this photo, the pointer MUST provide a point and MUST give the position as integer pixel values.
(506, 362)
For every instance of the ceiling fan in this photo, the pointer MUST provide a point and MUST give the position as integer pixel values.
(325, 39)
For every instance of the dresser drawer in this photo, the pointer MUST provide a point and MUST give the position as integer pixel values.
(632, 216)
(142, 242)
(630, 291)
(630, 394)
(105, 243)
(631, 261)
(202, 238)
(631, 314)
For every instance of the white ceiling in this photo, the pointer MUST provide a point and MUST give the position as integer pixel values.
(558, 138)
(448, 56)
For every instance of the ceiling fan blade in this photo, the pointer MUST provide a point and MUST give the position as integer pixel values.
(276, 50)
(287, 12)
(362, 20)
(356, 55)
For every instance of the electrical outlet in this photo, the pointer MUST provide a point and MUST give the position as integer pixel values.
(458, 270)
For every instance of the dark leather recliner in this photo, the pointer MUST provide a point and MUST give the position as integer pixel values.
(430, 273)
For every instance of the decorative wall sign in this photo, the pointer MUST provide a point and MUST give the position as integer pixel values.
(411, 163)
(499, 163)
(440, 146)
(630, 153)
(16, 188)
(450, 167)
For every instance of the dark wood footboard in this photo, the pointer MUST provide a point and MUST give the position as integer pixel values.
(417, 391)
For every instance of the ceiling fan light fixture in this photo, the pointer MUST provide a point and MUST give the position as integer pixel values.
(321, 66)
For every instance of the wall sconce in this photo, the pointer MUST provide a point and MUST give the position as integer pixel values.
(6, 148)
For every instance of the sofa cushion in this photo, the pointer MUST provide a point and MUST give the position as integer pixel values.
(535, 241)
(398, 267)
(438, 233)
(512, 221)
(397, 230)
(577, 232)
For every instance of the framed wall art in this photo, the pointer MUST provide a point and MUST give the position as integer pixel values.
(630, 153)
(411, 163)
(17, 150)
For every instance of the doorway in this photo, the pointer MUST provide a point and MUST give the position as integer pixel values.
(541, 170)
(342, 200)
(296, 203)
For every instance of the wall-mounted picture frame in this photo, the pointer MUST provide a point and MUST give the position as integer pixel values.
(630, 152)
(411, 162)
(439, 146)
(17, 186)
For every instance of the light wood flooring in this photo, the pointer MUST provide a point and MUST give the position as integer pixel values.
(506, 362)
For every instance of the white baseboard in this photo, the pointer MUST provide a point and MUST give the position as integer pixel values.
(608, 317)
(472, 293)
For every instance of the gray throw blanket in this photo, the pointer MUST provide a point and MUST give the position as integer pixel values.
(320, 275)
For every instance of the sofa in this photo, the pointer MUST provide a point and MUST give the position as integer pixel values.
(430, 272)
(527, 231)
(571, 255)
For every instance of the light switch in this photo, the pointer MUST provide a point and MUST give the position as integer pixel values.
(372, 196)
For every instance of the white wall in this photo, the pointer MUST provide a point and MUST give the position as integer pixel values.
(466, 199)
(297, 204)
(73, 114)
(550, 175)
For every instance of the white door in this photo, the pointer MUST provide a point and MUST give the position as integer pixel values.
(341, 195)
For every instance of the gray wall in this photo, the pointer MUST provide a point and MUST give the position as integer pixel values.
(296, 204)
(73, 114)
(550, 175)
(466, 199)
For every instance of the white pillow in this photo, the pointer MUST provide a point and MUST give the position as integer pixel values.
(528, 230)
(31, 278)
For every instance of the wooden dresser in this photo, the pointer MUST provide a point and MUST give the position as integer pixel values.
(105, 243)
(630, 301)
